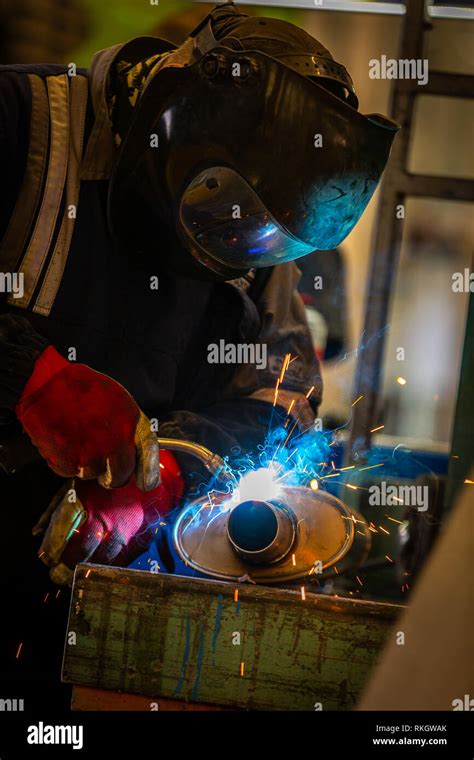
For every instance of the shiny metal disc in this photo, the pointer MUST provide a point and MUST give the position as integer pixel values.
(325, 533)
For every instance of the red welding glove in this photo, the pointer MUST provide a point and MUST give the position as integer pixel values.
(86, 523)
(87, 425)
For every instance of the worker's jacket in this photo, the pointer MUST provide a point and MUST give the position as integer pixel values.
(121, 311)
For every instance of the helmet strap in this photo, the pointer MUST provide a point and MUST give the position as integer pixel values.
(203, 36)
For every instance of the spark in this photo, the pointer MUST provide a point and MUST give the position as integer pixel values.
(236, 595)
(351, 467)
(389, 558)
(356, 521)
(293, 560)
(285, 366)
(401, 381)
(276, 392)
(313, 484)
(46, 598)
(310, 391)
(469, 482)
(357, 400)
(393, 520)
(359, 580)
(290, 433)
(291, 407)
(18, 651)
(380, 427)
(87, 574)
(58, 592)
(285, 475)
(349, 485)
(242, 668)
(371, 467)
(303, 593)
(385, 531)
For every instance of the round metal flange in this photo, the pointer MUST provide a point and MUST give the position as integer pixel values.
(324, 532)
(261, 532)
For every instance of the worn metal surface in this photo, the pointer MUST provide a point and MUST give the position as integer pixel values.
(87, 699)
(175, 637)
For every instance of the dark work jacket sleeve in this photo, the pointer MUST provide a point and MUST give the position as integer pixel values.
(20, 346)
(14, 117)
(251, 407)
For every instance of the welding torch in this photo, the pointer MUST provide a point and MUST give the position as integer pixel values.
(213, 463)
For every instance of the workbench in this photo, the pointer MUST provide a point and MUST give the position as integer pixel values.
(146, 641)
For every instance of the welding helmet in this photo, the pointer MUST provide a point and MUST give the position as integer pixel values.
(246, 144)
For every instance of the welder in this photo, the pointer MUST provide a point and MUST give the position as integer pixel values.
(152, 206)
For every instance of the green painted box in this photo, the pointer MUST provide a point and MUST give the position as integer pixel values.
(205, 641)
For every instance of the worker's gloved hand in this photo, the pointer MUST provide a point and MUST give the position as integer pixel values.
(86, 425)
(86, 523)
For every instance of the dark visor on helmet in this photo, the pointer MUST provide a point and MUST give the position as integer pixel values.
(228, 222)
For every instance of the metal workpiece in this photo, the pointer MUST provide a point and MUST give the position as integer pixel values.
(262, 532)
(312, 532)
